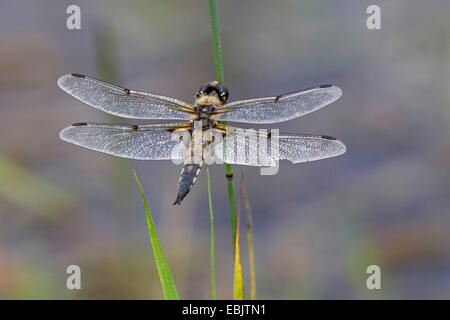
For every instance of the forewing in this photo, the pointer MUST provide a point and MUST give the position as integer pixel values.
(240, 147)
(123, 102)
(147, 142)
(281, 108)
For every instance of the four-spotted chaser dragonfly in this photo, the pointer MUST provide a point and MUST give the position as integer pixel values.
(156, 142)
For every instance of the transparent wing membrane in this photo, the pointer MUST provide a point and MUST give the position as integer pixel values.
(123, 102)
(147, 142)
(260, 148)
(280, 108)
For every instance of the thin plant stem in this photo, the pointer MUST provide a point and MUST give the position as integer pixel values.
(211, 217)
(251, 256)
(238, 283)
(218, 61)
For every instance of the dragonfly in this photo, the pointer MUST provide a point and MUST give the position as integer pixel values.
(210, 112)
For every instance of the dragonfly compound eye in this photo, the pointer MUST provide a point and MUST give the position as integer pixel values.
(216, 89)
(222, 92)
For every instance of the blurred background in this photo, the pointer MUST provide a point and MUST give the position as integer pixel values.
(317, 226)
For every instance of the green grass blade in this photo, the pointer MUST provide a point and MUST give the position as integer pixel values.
(218, 61)
(165, 276)
(211, 217)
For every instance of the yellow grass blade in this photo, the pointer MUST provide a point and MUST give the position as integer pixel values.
(251, 257)
(238, 287)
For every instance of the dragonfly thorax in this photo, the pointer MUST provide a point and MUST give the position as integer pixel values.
(204, 111)
(204, 123)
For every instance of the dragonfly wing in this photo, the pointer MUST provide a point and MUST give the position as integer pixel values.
(280, 108)
(240, 146)
(147, 142)
(263, 149)
(299, 148)
(123, 102)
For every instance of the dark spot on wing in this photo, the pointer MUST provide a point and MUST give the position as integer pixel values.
(325, 86)
(79, 124)
(134, 127)
(328, 137)
(170, 130)
(277, 98)
(78, 75)
(269, 135)
(127, 91)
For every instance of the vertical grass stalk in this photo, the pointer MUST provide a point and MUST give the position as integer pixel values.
(211, 217)
(238, 284)
(249, 241)
(218, 61)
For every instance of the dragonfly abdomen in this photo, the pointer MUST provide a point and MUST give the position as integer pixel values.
(191, 167)
(189, 174)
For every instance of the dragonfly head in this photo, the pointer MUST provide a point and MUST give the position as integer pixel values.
(214, 89)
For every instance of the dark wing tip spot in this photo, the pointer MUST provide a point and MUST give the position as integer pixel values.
(78, 75)
(127, 91)
(323, 86)
(79, 124)
(328, 138)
